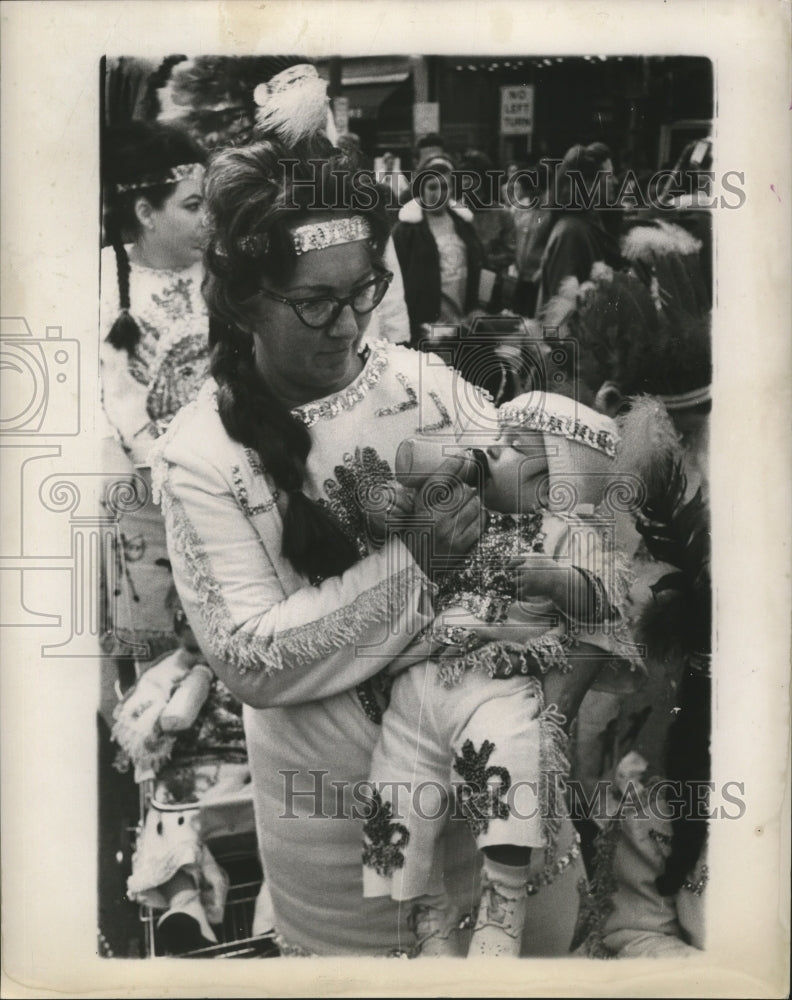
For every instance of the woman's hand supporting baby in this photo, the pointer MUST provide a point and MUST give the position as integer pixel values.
(438, 520)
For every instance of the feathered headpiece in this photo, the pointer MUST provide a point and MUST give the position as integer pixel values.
(293, 105)
(676, 531)
(646, 336)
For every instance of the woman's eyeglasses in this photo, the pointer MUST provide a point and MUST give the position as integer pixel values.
(322, 311)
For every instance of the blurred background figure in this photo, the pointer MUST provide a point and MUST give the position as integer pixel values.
(439, 252)
(392, 178)
(532, 220)
(611, 214)
(493, 222)
(427, 147)
(212, 96)
(512, 167)
(578, 237)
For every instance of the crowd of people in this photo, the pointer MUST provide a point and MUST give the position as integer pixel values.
(451, 614)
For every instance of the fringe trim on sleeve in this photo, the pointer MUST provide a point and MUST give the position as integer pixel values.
(291, 647)
(554, 773)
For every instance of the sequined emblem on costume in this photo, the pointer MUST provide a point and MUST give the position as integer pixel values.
(697, 887)
(347, 398)
(445, 419)
(374, 696)
(358, 483)
(482, 585)
(481, 798)
(241, 493)
(549, 873)
(384, 839)
(407, 404)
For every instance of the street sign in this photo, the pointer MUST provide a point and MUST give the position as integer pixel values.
(517, 110)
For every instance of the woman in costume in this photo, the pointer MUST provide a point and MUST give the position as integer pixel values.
(153, 354)
(303, 608)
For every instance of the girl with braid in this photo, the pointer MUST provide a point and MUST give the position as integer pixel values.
(154, 350)
(274, 485)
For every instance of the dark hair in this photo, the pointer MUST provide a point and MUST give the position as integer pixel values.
(431, 139)
(599, 152)
(579, 167)
(255, 195)
(131, 153)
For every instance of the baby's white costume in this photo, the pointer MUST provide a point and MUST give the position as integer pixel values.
(457, 743)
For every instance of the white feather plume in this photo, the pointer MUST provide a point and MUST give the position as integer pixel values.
(648, 441)
(644, 242)
(293, 105)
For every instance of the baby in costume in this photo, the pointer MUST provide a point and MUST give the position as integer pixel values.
(538, 581)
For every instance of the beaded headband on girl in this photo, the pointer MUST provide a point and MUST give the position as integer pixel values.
(542, 419)
(182, 172)
(313, 236)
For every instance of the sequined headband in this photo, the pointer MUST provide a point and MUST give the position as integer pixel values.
(544, 422)
(313, 236)
(182, 172)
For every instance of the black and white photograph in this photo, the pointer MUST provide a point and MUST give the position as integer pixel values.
(395, 544)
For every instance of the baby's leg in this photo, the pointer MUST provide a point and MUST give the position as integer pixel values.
(403, 845)
(500, 753)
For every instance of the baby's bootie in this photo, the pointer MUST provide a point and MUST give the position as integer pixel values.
(433, 922)
(501, 912)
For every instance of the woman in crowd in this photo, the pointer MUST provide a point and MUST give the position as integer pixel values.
(578, 238)
(306, 607)
(439, 251)
(154, 350)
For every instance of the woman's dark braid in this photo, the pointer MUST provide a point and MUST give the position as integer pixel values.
(124, 334)
(313, 540)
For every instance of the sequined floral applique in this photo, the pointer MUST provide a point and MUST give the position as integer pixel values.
(176, 376)
(481, 798)
(384, 839)
(358, 483)
(483, 584)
